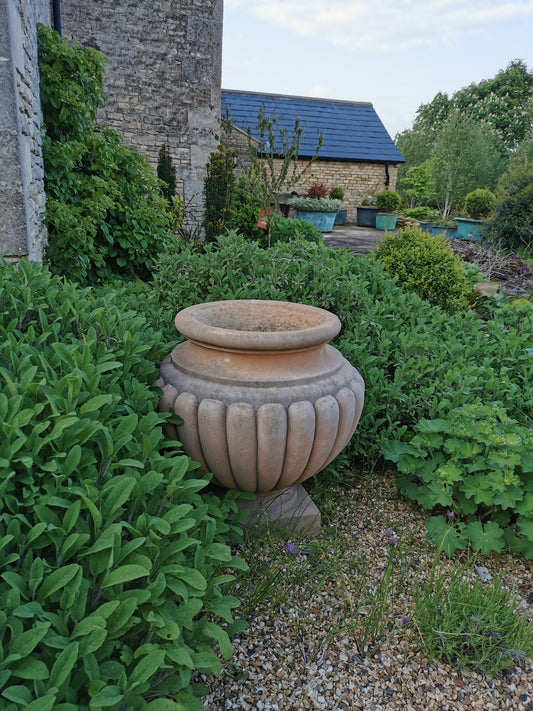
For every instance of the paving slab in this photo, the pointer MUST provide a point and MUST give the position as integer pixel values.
(360, 240)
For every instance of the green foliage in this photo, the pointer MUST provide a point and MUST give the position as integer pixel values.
(417, 184)
(104, 211)
(336, 193)
(310, 204)
(246, 208)
(471, 624)
(285, 230)
(166, 172)
(388, 201)
(478, 203)
(465, 155)
(425, 264)
(273, 152)
(478, 462)
(417, 360)
(218, 191)
(512, 223)
(503, 102)
(112, 587)
(425, 214)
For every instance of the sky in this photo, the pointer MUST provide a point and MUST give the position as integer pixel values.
(395, 54)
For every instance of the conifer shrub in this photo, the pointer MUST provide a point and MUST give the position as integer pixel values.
(218, 193)
(166, 172)
(426, 265)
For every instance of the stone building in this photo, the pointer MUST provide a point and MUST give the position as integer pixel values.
(357, 153)
(162, 86)
(163, 76)
(22, 199)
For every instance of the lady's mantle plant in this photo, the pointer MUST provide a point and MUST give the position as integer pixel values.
(113, 564)
(478, 462)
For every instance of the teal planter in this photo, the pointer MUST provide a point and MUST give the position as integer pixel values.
(366, 216)
(340, 217)
(385, 221)
(468, 229)
(426, 226)
(323, 221)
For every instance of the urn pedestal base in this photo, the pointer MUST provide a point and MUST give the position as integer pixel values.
(291, 510)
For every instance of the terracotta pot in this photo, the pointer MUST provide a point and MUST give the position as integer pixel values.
(265, 401)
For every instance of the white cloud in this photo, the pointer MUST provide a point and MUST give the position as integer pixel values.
(319, 92)
(386, 24)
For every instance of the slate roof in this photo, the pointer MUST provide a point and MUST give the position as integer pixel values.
(352, 130)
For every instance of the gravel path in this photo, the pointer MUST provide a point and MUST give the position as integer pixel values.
(304, 650)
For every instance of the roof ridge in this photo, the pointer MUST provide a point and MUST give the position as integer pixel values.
(295, 96)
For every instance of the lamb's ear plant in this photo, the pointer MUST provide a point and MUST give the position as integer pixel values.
(113, 588)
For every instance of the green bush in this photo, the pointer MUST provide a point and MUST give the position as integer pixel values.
(477, 462)
(285, 229)
(113, 562)
(479, 203)
(426, 265)
(166, 172)
(388, 201)
(426, 214)
(336, 193)
(104, 210)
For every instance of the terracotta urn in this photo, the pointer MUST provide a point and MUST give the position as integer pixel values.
(266, 402)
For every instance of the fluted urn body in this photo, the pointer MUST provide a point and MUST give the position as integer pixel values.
(266, 402)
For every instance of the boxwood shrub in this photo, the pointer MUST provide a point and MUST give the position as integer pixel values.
(113, 556)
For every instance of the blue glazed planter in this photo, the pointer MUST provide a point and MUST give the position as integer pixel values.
(426, 226)
(340, 217)
(385, 221)
(366, 216)
(323, 221)
(468, 229)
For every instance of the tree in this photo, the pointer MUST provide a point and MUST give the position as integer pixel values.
(466, 155)
(273, 154)
(218, 192)
(512, 224)
(166, 172)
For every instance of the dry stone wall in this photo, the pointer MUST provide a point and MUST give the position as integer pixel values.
(163, 75)
(22, 197)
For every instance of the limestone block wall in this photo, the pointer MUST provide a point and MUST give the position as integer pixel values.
(163, 76)
(22, 197)
(358, 180)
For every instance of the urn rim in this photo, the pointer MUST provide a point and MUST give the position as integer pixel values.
(257, 324)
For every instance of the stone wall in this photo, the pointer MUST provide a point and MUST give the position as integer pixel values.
(358, 180)
(163, 75)
(22, 197)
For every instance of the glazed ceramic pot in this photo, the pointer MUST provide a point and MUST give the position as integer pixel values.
(266, 402)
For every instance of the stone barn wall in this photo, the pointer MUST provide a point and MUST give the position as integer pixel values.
(163, 75)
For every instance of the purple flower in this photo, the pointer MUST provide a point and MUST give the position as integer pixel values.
(392, 542)
(291, 548)
(389, 532)
(451, 514)
(405, 620)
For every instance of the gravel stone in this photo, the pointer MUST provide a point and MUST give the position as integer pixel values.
(304, 655)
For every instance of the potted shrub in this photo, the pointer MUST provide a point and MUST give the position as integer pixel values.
(366, 212)
(315, 208)
(337, 193)
(387, 202)
(478, 205)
